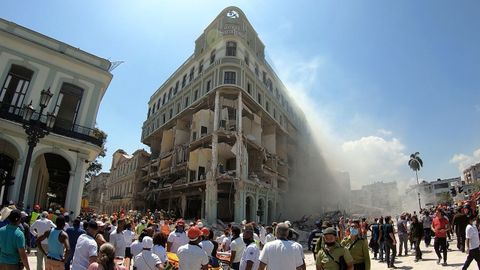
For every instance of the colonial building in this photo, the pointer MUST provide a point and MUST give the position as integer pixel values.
(222, 130)
(77, 80)
(472, 174)
(95, 191)
(122, 182)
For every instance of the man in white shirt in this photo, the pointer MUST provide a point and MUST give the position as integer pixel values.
(282, 254)
(473, 243)
(269, 237)
(38, 228)
(177, 238)
(191, 256)
(86, 248)
(249, 260)
(147, 260)
(117, 239)
(236, 248)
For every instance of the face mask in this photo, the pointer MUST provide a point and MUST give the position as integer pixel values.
(353, 231)
(330, 244)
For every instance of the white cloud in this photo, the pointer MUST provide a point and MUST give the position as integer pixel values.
(464, 161)
(384, 132)
(367, 159)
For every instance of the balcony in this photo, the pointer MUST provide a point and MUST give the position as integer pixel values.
(74, 131)
(116, 197)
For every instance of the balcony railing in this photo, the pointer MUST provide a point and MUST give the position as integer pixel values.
(61, 127)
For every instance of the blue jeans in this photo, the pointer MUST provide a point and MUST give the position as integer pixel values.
(382, 249)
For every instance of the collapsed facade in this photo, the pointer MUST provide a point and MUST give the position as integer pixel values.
(222, 131)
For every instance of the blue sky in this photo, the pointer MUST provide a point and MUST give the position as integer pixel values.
(378, 79)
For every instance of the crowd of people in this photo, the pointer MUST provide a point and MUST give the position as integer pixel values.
(155, 240)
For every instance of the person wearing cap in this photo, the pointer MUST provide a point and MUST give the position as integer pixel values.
(315, 234)
(25, 227)
(357, 245)
(147, 260)
(58, 245)
(205, 243)
(177, 238)
(332, 254)
(191, 255)
(12, 244)
(39, 227)
(282, 253)
(319, 244)
(249, 260)
(86, 248)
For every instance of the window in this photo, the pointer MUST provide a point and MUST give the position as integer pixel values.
(200, 67)
(67, 106)
(176, 88)
(229, 77)
(170, 114)
(195, 95)
(269, 85)
(158, 103)
(164, 98)
(15, 87)
(274, 113)
(163, 118)
(178, 107)
(186, 102)
(231, 48)
(256, 70)
(249, 88)
(170, 92)
(247, 59)
(153, 107)
(259, 98)
(267, 106)
(212, 57)
(209, 85)
(192, 71)
(184, 80)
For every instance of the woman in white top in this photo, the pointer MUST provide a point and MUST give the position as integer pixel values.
(159, 242)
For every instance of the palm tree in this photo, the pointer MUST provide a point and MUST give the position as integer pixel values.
(415, 163)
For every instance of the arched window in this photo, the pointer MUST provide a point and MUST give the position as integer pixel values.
(231, 48)
(15, 87)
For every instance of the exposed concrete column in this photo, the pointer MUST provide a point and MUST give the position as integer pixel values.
(183, 203)
(240, 186)
(211, 182)
(239, 211)
(70, 186)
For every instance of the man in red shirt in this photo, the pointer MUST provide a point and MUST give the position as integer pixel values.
(440, 227)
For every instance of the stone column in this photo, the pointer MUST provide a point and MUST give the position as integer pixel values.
(73, 200)
(183, 203)
(211, 188)
(13, 190)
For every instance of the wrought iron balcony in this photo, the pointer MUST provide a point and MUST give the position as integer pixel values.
(61, 126)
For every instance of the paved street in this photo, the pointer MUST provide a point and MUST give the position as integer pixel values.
(455, 260)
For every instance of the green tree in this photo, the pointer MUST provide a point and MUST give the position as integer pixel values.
(445, 198)
(415, 163)
(95, 166)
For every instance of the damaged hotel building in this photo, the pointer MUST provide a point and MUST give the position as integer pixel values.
(222, 131)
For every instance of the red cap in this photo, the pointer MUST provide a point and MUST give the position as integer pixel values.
(193, 233)
(205, 231)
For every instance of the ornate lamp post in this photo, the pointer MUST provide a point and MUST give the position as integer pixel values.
(35, 129)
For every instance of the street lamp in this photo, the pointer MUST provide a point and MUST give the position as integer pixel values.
(35, 129)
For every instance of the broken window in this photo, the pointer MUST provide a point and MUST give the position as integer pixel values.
(229, 77)
(203, 131)
(212, 57)
(68, 106)
(15, 86)
(231, 48)
(201, 173)
(200, 67)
